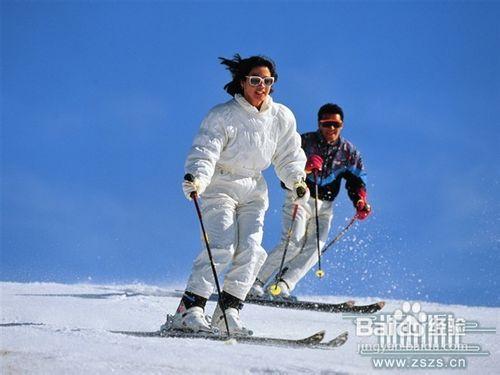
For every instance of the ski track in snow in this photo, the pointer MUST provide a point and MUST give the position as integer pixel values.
(63, 329)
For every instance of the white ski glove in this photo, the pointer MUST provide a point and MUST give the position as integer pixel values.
(195, 186)
(300, 193)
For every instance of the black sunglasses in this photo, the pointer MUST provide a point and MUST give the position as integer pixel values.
(330, 124)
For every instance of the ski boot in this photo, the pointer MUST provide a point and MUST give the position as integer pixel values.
(189, 317)
(257, 290)
(234, 322)
(232, 306)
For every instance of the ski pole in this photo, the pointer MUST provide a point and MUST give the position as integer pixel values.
(319, 273)
(275, 289)
(189, 177)
(341, 233)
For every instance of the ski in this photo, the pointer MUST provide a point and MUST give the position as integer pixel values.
(313, 342)
(290, 303)
(296, 304)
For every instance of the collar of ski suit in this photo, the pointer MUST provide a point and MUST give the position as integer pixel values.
(250, 108)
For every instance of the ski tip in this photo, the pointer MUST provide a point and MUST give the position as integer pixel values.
(320, 335)
(339, 340)
(343, 335)
(381, 304)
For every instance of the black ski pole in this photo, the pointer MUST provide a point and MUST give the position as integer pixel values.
(275, 289)
(319, 273)
(341, 233)
(189, 177)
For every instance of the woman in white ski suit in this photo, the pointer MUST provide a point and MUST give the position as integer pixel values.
(237, 140)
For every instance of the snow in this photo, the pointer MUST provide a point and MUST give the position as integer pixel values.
(62, 329)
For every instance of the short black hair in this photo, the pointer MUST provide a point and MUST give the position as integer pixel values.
(332, 109)
(239, 69)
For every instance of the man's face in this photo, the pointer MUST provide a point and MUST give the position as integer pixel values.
(330, 126)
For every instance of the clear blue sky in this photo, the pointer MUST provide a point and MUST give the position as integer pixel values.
(101, 101)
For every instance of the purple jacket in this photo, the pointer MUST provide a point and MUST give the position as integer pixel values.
(340, 161)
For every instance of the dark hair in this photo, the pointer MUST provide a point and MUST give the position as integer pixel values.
(332, 109)
(239, 69)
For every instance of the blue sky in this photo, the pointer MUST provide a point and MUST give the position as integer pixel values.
(101, 101)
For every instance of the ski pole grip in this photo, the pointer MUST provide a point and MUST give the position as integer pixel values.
(300, 191)
(189, 177)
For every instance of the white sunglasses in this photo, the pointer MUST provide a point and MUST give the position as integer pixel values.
(256, 81)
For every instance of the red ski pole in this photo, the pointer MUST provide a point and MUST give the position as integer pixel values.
(341, 233)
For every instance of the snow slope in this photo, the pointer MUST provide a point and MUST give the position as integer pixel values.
(62, 329)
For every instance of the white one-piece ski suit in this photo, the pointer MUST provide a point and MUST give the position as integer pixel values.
(235, 143)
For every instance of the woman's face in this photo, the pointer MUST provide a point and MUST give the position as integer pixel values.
(256, 95)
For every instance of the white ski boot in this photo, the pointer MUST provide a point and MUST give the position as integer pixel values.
(190, 320)
(234, 322)
(257, 290)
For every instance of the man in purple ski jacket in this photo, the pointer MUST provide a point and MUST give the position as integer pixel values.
(333, 159)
